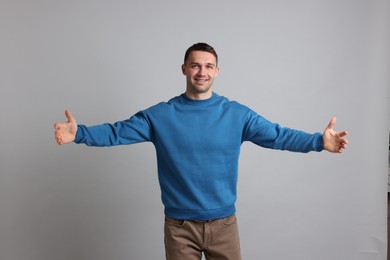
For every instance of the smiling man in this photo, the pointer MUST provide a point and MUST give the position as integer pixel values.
(200, 68)
(197, 136)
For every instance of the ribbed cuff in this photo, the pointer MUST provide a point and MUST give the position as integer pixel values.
(319, 143)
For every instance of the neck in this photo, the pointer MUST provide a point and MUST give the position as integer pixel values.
(199, 96)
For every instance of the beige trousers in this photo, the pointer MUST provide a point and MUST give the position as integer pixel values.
(216, 239)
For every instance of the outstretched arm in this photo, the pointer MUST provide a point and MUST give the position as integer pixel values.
(334, 142)
(65, 132)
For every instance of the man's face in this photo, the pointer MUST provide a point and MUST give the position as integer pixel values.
(200, 71)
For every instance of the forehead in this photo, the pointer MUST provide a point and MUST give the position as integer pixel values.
(201, 57)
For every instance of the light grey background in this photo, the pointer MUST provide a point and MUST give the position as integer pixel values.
(295, 62)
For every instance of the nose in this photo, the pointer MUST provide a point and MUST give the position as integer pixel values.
(201, 70)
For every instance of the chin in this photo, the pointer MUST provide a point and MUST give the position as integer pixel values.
(202, 89)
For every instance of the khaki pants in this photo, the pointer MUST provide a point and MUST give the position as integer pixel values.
(217, 239)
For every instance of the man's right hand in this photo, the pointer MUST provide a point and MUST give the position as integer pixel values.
(65, 132)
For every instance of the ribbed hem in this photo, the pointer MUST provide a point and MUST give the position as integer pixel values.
(185, 214)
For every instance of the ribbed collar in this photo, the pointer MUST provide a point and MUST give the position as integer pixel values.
(195, 102)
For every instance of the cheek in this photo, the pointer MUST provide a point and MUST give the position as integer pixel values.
(213, 75)
(193, 73)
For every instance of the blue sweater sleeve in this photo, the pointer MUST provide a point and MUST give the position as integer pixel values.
(270, 135)
(133, 130)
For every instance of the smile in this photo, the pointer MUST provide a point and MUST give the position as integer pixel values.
(201, 81)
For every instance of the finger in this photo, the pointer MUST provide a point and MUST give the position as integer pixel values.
(59, 126)
(69, 116)
(332, 123)
(57, 138)
(343, 133)
(343, 145)
(57, 135)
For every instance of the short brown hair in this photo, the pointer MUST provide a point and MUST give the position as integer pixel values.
(200, 46)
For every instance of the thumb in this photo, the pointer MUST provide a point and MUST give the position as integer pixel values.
(69, 116)
(331, 123)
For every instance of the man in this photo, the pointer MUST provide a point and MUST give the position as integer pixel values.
(197, 137)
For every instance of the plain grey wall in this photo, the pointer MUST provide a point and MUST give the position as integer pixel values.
(295, 62)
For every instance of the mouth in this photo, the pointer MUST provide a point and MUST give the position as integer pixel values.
(201, 81)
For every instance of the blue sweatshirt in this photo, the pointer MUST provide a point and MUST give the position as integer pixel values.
(198, 145)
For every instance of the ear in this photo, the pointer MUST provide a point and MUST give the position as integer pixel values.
(216, 74)
(183, 69)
